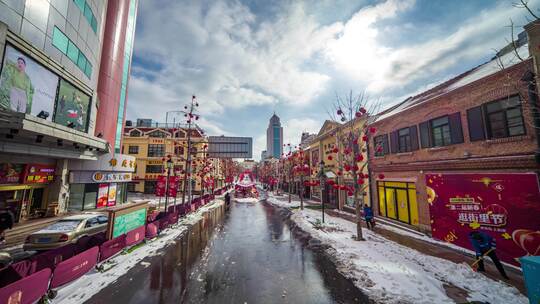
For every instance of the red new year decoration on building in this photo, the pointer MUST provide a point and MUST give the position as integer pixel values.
(505, 206)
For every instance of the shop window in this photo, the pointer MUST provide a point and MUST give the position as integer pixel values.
(133, 150)
(504, 118)
(382, 142)
(90, 196)
(441, 131)
(131, 187)
(397, 200)
(154, 169)
(76, 197)
(404, 140)
(149, 187)
(156, 150)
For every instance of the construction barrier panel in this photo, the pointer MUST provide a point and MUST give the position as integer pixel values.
(51, 258)
(111, 247)
(73, 268)
(135, 236)
(151, 230)
(27, 290)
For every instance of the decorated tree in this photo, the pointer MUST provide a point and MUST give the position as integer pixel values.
(300, 161)
(351, 148)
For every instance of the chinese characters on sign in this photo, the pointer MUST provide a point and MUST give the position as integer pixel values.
(506, 206)
(39, 174)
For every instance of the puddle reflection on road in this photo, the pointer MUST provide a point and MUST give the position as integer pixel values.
(248, 255)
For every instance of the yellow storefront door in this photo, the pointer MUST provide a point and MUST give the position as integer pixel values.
(413, 206)
(382, 202)
(391, 203)
(402, 205)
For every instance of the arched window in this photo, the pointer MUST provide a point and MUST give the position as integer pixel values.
(135, 133)
(157, 133)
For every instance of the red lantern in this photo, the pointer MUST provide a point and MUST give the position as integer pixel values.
(361, 181)
(372, 130)
(349, 193)
(358, 114)
(381, 176)
(364, 138)
(359, 158)
(347, 168)
(330, 157)
(335, 150)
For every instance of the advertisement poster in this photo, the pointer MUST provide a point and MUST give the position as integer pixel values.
(103, 195)
(39, 174)
(11, 173)
(112, 195)
(160, 185)
(505, 206)
(25, 85)
(72, 106)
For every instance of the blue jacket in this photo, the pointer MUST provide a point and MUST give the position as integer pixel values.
(485, 243)
(368, 213)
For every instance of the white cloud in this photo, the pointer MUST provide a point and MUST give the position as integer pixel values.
(219, 52)
(358, 53)
(293, 128)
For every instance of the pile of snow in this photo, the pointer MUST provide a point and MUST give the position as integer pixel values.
(282, 201)
(391, 273)
(247, 200)
(84, 288)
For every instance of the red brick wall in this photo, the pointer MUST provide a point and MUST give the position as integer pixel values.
(501, 155)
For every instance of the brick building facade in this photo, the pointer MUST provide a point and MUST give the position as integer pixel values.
(480, 122)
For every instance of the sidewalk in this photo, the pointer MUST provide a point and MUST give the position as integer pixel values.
(413, 240)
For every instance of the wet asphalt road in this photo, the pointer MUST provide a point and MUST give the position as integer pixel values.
(247, 256)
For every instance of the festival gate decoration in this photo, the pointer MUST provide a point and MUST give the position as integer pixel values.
(505, 206)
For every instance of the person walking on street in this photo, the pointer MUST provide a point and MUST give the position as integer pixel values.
(6, 222)
(484, 244)
(368, 216)
(227, 199)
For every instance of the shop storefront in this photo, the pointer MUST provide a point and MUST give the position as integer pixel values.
(24, 190)
(397, 200)
(100, 184)
(102, 189)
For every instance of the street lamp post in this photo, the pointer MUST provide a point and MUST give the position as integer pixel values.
(322, 178)
(169, 164)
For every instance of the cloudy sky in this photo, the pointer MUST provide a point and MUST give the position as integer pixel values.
(245, 59)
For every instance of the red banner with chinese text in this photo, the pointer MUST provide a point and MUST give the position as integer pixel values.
(39, 174)
(160, 185)
(505, 206)
(173, 185)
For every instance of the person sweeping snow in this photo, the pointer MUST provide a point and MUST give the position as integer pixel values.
(368, 216)
(484, 245)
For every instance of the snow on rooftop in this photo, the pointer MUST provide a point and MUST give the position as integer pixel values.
(491, 67)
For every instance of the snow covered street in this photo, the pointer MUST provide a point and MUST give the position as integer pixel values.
(391, 273)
